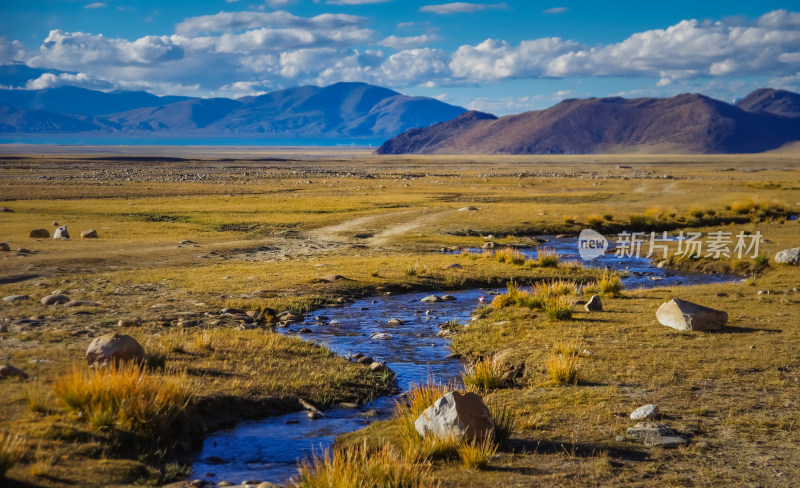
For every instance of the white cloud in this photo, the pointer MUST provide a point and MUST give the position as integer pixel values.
(494, 60)
(461, 7)
(416, 66)
(95, 5)
(83, 80)
(354, 2)
(555, 10)
(11, 51)
(238, 21)
(396, 42)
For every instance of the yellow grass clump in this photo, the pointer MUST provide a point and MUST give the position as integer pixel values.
(562, 364)
(124, 397)
(357, 466)
(477, 454)
(484, 375)
(510, 255)
(10, 451)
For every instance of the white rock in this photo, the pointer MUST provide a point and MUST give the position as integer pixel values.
(682, 315)
(456, 415)
(788, 256)
(645, 412)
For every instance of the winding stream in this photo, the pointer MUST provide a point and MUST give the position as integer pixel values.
(268, 449)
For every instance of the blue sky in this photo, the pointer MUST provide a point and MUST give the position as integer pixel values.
(502, 57)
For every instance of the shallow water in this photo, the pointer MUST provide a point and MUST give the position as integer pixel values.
(269, 449)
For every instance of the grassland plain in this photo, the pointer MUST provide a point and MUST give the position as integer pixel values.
(184, 235)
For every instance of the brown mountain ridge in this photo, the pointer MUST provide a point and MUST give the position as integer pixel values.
(688, 123)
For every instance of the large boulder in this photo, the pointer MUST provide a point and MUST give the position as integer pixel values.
(594, 304)
(8, 371)
(61, 233)
(789, 256)
(114, 348)
(682, 315)
(457, 415)
(40, 234)
(54, 299)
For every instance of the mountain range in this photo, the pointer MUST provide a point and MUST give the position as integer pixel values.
(341, 110)
(690, 123)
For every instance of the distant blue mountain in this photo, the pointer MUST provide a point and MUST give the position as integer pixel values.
(352, 110)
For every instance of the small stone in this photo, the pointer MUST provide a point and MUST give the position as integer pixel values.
(232, 311)
(81, 303)
(620, 438)
(448, 298)
(315, 414)
(89, 234)
(40, 234)
(431, 299)
(667, 441)
(365, 360)
(225, 483)
(349, 405)
(4, 246)
(395, 322)
(55, 224)
(15, 298)
(643, 430)
(251, 482)
(594, 304)
(468, 209)
(114, 348)
(61, 233)
(6, 209)
(54, 299)
(8, 371)
(645, 412)
(304, 330)
(128, 323)
(378, 367)
(489, 245)
(380, 336)
(267, 484)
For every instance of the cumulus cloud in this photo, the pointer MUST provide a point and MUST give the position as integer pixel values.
(11, 51)
(396, 42)
(461, 7)
(238, 21)
(95, 5)
(245, 52)
(354, 2)
(555, 10)
(83, 80)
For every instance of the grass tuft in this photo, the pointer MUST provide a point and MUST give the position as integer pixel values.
(562, 367)
(477, 454)
(545, 258)
(124, 398)
(558, 307)
(10, 451)
(510, 255)
(358, 466)
(484, 375)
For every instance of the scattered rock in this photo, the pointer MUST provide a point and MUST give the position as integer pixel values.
(379, 367)
(81, 303)
(365, 360)
(489, 245)
(789, 256)
(395, 322)
(349, 405)
(431, 299)
(40, 234)
(54, 299)
(682, 315)
(380, 336)
(8, 371)
(55, 224)
(16, 298)
(453, 266)
(620, 438)
(331, 279)
(89, 234)
(667, 441)
(289, 316)
(468, 209)
(129, 323)
(456, 414)
(232, 311)
(114, 348)
(304, 330)
(448, 298)
(6, 210)
(61, 233)
(645, 412)
(225, 483)
(313, 415)
(4, 246)
(644, 430)
(594, 304)
(267, 484)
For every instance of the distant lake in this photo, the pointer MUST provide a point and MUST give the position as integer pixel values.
(76, 140)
